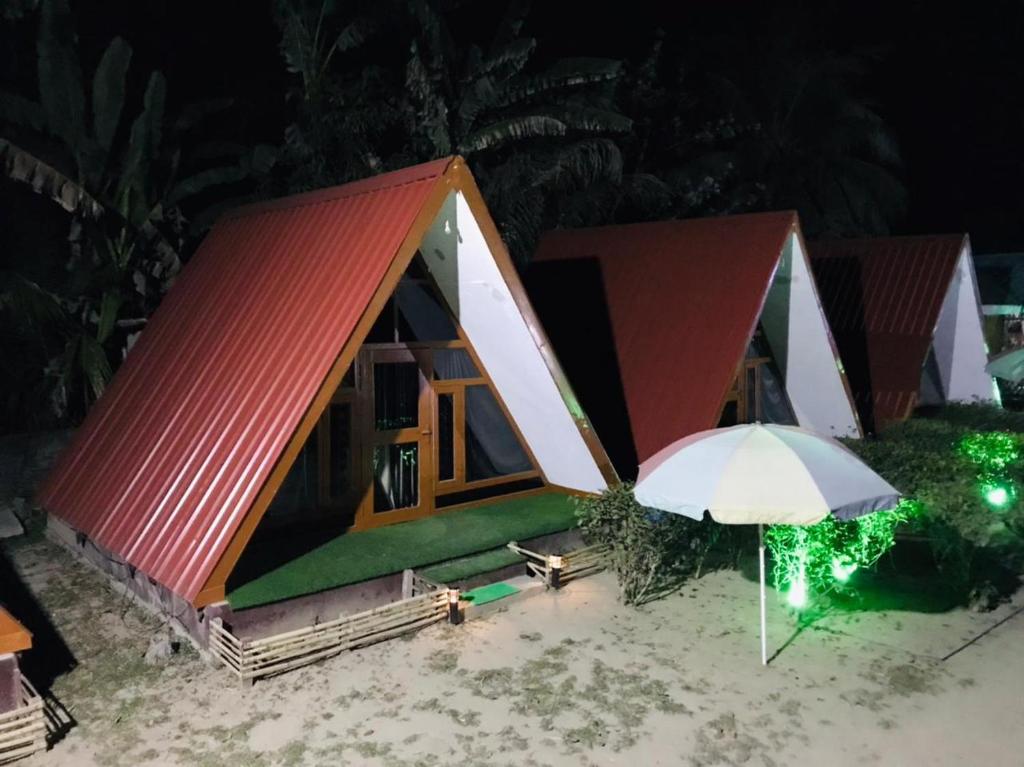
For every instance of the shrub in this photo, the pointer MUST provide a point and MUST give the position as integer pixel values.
(947, 461)
(651, 551)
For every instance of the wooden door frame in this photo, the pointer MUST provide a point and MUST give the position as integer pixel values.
(367, 517)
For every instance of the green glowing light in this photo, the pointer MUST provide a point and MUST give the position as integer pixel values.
(997, 496)
(991, 450)
(820, 558)
(796, 596)
(843, 568)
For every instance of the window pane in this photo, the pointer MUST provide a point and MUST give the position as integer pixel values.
(341, 450)
(750, 396)
(383, 330)
(445, 437)
(348, 381)
(396, 394)
(425, 316)
(395, 476)
(453, 363)
(298, 493)
(729, 414)
(492, 448)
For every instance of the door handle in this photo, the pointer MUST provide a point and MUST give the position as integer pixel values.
(426, 433)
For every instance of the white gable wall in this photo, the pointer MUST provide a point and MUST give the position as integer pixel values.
(959, 341)
(465, 271)
(802, 344)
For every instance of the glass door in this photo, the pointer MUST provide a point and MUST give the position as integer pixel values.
(395, 398)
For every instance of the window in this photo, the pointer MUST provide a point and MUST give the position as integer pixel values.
(396, 476)
(445, 437)
(396, 393)
(451, 364)
(298, 494)
(492, 447)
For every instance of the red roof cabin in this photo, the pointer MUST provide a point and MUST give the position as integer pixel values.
(329, 374)
(907, 316)
(678, 326)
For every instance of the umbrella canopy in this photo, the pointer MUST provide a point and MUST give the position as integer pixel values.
(1008, 365)
(762, 474)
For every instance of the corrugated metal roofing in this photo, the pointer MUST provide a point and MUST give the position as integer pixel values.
(171, 457)
(883, 297)
(683, 299)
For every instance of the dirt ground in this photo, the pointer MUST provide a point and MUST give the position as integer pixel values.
(566, 678)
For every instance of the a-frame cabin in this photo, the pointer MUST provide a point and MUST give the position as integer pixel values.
(679, 326)
(329, 366)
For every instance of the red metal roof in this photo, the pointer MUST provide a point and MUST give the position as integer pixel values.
(171, 457)
(683, 299)
(882, 297)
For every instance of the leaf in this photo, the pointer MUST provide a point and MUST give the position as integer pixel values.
(108, 91)
(562, 75)
(20, 165)
(109, 307)
(94, 365)
(60, 76)
(20, 111)
(142, 143)
(202, 181)
(592, 119)
(511, 130)
(509, 59)
(195, 113)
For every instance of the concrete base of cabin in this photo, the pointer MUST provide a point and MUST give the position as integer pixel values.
(10, 683)
(266, 620)
(181, 616)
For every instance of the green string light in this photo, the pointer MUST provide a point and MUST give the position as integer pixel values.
(993, 452)
(824, 557)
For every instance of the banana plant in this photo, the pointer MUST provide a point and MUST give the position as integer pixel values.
(124, 181)
(527, 131)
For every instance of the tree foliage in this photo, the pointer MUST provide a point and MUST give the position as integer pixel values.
(123, 179)
(528, 132)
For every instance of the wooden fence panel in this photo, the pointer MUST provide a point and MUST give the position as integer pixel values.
(253, 659)
(23, 730)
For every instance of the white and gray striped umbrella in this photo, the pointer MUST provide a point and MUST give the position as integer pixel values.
(764, 475)
(1008, 365)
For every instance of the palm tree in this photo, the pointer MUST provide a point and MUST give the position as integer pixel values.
(807, 138)
(123, 186)
(526, 132)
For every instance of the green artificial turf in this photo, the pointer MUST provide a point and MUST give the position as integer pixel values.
(355, 557)
(490, 593)
(467, 567)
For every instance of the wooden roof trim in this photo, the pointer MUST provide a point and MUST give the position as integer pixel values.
(13, 636)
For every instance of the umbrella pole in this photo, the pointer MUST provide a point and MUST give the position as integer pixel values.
(764, 638)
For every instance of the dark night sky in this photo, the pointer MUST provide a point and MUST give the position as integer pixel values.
(949, 84)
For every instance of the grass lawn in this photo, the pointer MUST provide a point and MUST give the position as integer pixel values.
(355, 557)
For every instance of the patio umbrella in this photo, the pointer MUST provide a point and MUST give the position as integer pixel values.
(1008, 365)
(763, 475)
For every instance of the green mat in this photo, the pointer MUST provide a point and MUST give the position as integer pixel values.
(491, 593)
(355, 557)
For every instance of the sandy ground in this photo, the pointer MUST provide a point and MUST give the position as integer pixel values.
(567, 678)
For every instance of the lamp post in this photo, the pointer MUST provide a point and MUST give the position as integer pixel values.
(555, 571)
(454, 616)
